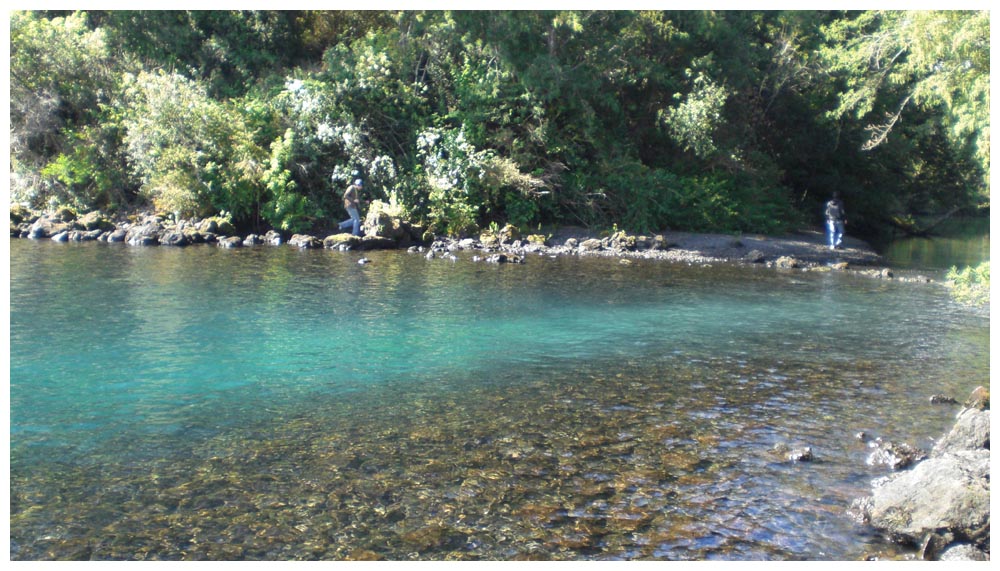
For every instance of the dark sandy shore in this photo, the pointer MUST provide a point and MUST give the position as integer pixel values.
(806, 246)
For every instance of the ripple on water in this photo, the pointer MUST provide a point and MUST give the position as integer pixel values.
(483, 420)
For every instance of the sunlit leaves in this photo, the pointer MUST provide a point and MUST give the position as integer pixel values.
(891, 59)
(692, 122)
(192, 152)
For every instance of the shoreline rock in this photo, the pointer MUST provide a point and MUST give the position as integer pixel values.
(941, 505)
(802, 251)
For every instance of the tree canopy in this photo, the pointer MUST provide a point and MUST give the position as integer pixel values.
(692, 120)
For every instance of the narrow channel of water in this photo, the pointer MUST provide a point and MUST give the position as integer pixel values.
(271, 403)
(962, 242)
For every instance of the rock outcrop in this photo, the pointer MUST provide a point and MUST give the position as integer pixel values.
(942, 504)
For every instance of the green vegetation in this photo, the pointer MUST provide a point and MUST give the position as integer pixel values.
(971, 285)
(690, 120)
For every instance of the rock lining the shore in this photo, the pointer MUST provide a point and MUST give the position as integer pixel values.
(802, 251)
(941, 505)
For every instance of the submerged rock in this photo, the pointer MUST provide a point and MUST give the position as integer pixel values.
(505, 259)
(801, 455)
(895, 456)
(377, 243)
(787, 262)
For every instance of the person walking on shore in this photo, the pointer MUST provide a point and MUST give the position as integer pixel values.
(352, 203)
(835, 220)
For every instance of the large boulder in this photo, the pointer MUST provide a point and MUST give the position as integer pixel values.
(943, 502)
(145, 234)
(383, 224)
(389, 222)
(216, 225)
(509, 233)
(95, 220)
(174, 238)
(46, 227)
(305, 241)
(496, 237)
(947, 496)
(342, 241)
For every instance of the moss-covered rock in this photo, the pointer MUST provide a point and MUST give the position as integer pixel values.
(66, 214)
(343, 239)
(19, 214)
(217, 225)
(489, 239)
(95, 220)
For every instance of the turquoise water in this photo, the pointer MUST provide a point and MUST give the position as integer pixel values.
(271, 403)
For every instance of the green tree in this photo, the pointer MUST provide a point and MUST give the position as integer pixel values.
(932, 66)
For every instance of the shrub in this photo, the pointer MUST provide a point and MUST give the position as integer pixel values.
(971, 285)
(194, 155)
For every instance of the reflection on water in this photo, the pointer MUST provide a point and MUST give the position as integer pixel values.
(962, 243)
(278, 404)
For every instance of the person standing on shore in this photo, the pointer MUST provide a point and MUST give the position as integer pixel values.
(352, 203)
(836, 218)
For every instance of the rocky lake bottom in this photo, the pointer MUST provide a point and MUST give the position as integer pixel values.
(279, 404)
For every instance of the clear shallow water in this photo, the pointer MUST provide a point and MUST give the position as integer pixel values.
(271, 403)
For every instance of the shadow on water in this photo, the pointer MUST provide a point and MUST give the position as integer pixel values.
(960, 243)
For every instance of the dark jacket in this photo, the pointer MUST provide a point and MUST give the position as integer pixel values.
(835, 211)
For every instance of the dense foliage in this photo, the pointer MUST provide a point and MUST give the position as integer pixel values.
(710, 121)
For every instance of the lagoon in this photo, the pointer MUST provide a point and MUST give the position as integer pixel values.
(271, 403)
